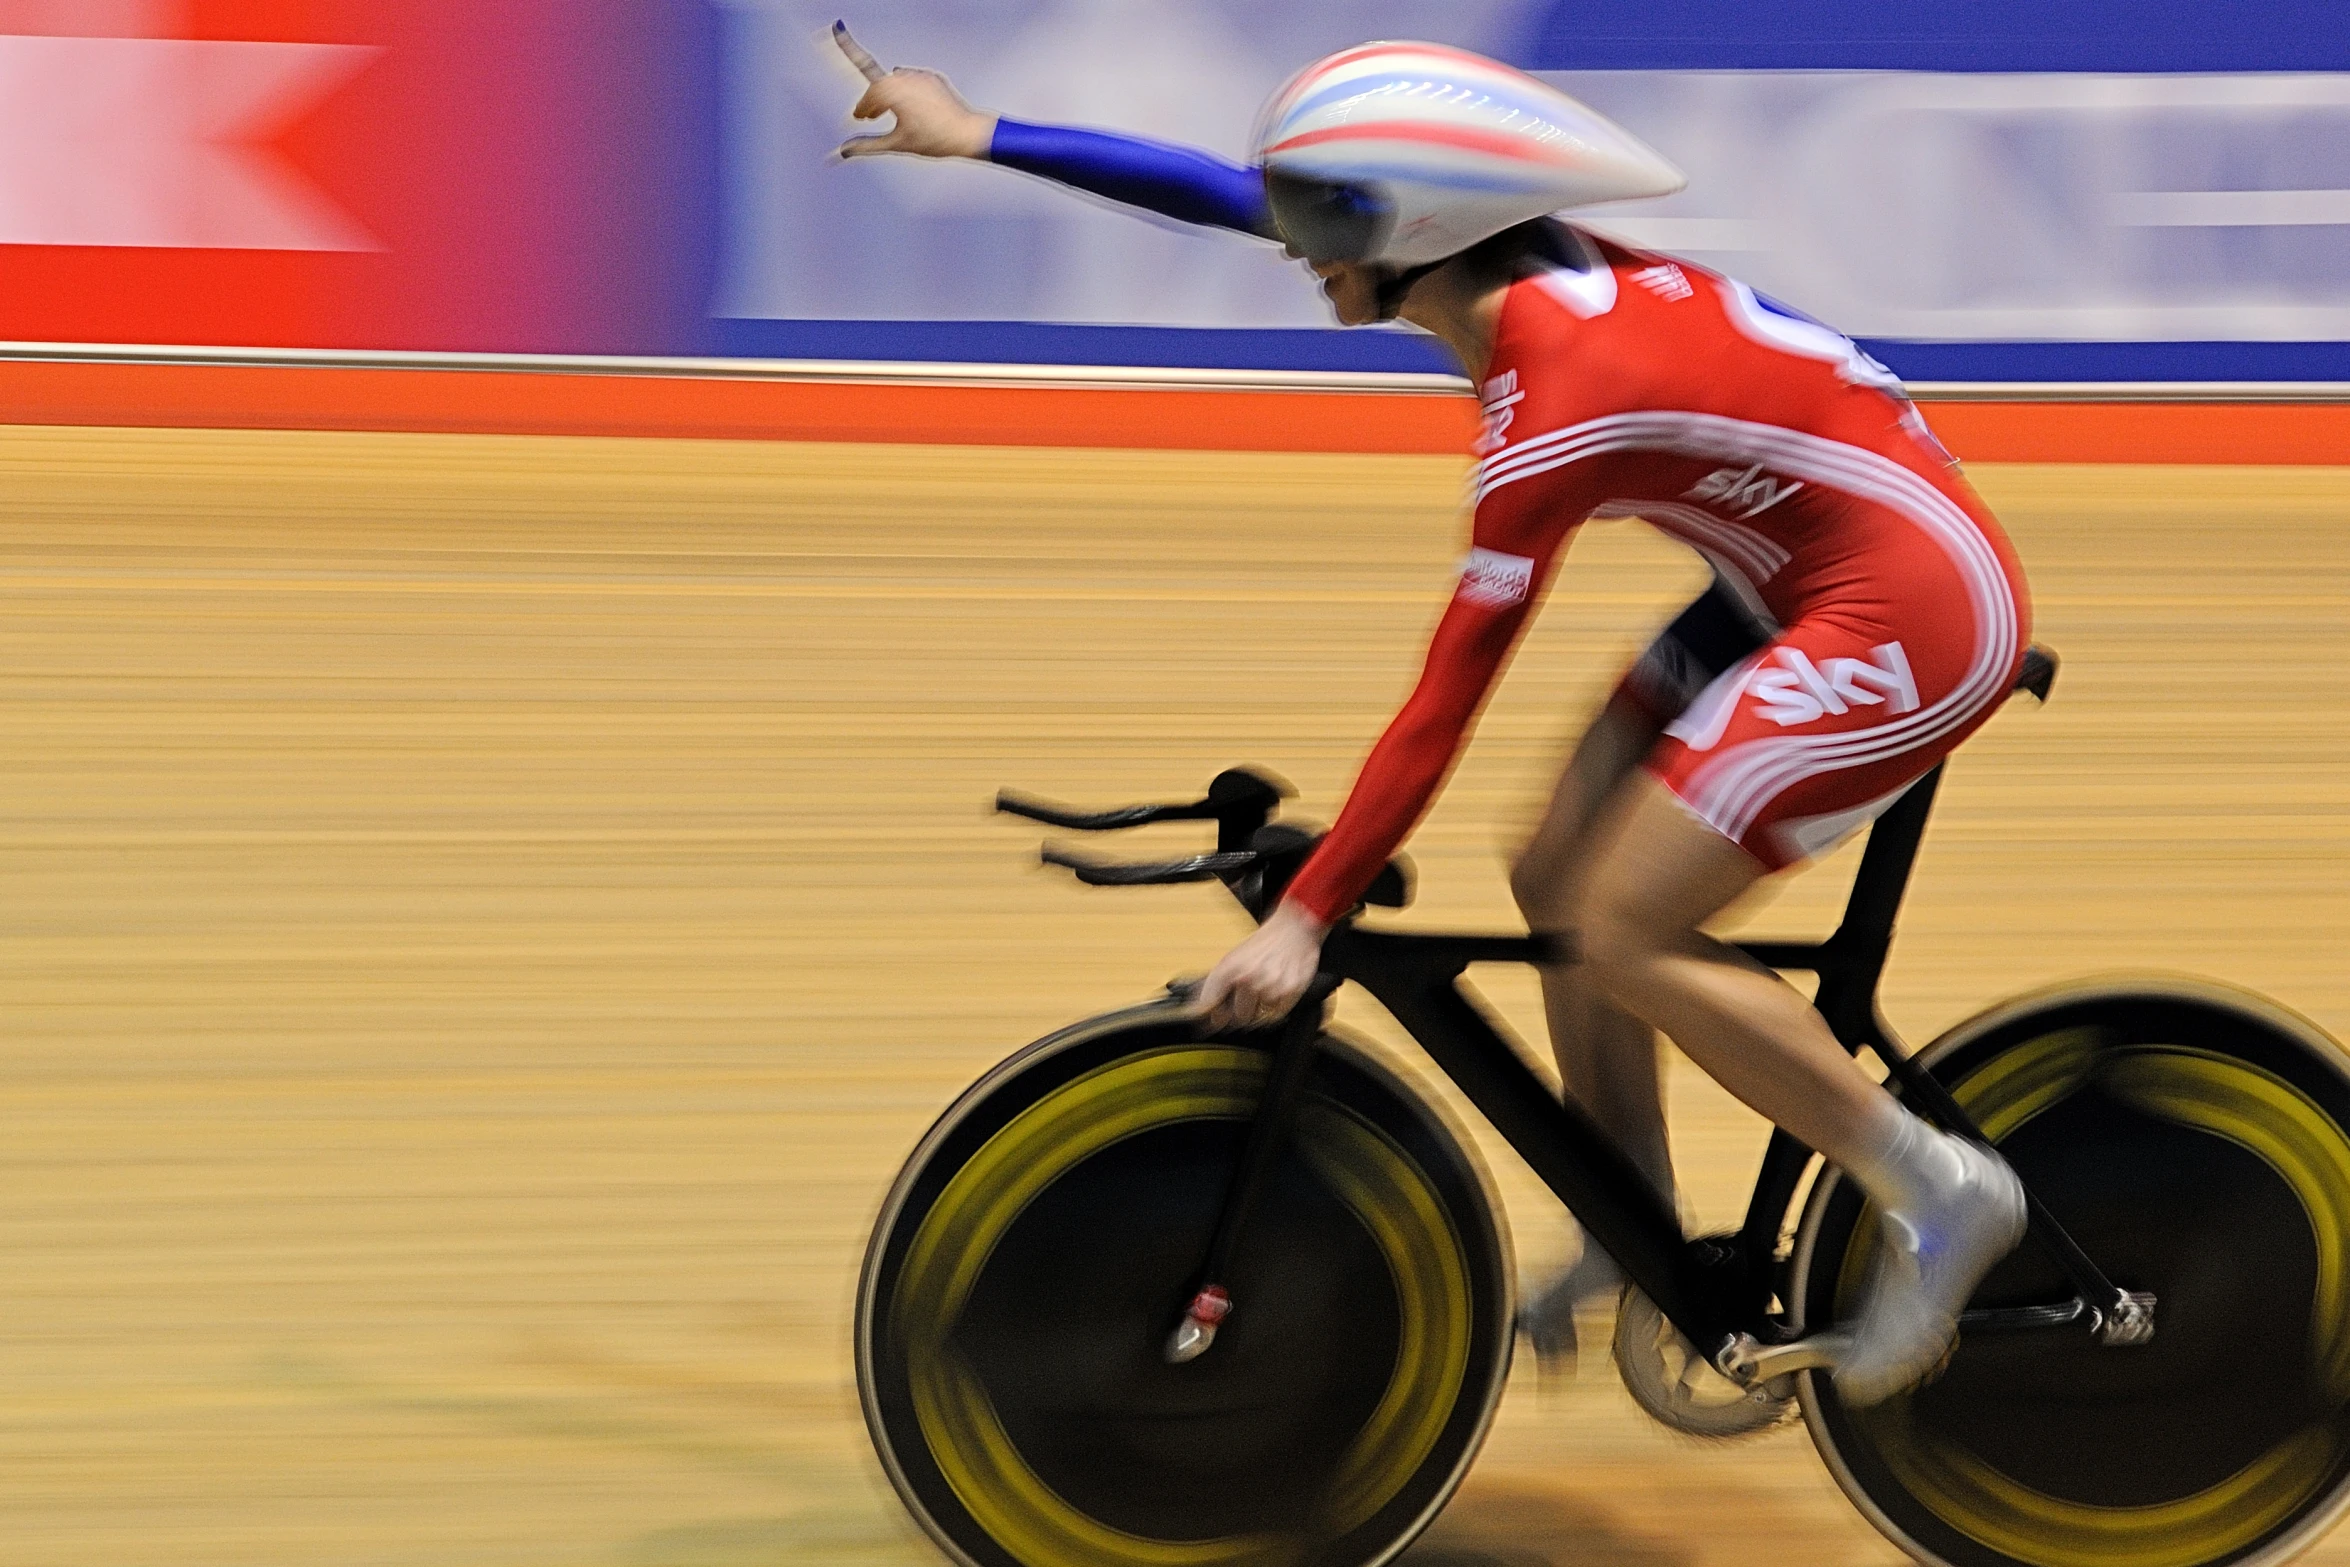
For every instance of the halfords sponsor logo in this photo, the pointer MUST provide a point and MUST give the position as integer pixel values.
(1797, 691)
(1744, 491)
(1495, 580)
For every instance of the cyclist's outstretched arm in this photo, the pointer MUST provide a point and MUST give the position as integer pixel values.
(933, 121)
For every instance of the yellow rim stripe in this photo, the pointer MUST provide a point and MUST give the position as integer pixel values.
(1989, 1507)
(2286, 1130)
(1377, 1180)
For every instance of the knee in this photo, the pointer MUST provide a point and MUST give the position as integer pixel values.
(1605, 925)
(1549, 888)
(1612, 938)
(1541, 890)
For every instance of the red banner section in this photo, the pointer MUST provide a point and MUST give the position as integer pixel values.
(522, 176)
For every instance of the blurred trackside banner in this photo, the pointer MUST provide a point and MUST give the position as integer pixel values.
(2079, 190)
(1985, 191)
(494, 175)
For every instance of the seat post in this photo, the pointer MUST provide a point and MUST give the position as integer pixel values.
(1853, 959)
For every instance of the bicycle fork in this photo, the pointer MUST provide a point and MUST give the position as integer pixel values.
(1293, 1055)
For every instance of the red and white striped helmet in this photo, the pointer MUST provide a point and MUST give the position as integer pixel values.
(1406, 153)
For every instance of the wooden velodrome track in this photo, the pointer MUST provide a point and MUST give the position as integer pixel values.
(486, 916)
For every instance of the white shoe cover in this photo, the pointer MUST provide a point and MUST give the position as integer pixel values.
(1928, 1264)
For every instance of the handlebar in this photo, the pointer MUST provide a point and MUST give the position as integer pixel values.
(1150, 873)
(1036, 810)
(1254, 856)
(1239, 801)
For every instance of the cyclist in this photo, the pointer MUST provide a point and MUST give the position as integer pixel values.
(1867, 612)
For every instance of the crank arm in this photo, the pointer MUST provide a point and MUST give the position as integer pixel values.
(1746, 1360)
(1750, 1362)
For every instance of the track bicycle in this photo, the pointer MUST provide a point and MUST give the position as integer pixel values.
(1149, 1295)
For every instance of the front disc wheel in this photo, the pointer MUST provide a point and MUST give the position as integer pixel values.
(1045, 1239)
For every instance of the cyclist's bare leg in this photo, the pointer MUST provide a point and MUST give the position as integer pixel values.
(1606, 1057)
(1654, 875)
(1952, 1210)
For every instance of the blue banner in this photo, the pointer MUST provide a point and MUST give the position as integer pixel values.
(2088, 190)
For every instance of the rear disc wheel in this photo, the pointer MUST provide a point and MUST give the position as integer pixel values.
(2196, 1142)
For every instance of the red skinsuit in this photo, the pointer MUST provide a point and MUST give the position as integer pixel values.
(1647, 387)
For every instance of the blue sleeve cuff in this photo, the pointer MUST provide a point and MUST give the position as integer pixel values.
(1178, 182)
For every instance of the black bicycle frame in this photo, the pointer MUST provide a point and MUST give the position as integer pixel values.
(1712, 1287)
(1715, 1286)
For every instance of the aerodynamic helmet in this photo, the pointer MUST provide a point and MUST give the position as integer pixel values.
(1406, 153)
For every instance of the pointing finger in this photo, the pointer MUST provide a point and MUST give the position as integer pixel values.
(858, 55)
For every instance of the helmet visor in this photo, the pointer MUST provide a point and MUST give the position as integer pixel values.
(1324, 220)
